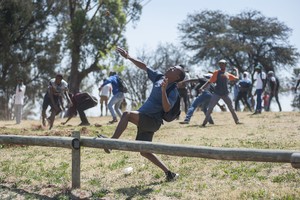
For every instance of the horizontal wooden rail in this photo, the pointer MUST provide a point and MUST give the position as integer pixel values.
(49, 141)
(237, 154)
(218, 153)
(75, 142)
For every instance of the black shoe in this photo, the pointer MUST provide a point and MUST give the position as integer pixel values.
(84, 124)
(113, 121)
(256, 112)
(170, 176)
(203, 125)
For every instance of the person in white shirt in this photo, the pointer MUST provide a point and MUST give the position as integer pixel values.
(105, 93)
(19, 100)
(56, 90)
(260, 86)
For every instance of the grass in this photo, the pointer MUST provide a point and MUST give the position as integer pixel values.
(32, 172)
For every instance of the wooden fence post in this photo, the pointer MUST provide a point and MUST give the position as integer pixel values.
(76, 160)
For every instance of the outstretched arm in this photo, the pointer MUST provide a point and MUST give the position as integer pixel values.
(204, 86)
(189, 81)
(138, 63)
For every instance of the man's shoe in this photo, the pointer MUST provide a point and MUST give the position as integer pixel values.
(184, 122)
(170, 176)
(113, 121)
(84, 124)
(237, 123)
(256, 112)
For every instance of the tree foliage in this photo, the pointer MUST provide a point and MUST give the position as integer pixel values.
(244, 40)
(94, 29)
(41, 38)
(26, 50)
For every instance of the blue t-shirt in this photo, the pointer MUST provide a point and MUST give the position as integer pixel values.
(153, 105)
(114, 82)
(245, 85)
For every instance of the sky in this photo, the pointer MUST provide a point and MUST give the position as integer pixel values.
(160, 18)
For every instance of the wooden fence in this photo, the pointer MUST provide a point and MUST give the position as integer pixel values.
(75, 142)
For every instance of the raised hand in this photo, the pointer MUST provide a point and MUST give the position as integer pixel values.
(123, 52)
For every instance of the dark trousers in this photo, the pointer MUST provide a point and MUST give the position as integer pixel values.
(258, 99)
(242, 96)
(183, 93)
(82, 107)
(277, 100)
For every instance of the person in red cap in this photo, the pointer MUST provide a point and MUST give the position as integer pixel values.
(220, 78)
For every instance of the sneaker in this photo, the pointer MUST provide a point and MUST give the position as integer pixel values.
(84, 124)
(256, 112)
(170, 176)
(113, 121)
(184, 122)
(237, 123)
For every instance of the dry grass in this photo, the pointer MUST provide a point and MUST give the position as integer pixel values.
(45, 173)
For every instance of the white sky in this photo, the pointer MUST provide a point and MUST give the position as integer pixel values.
(160, 18)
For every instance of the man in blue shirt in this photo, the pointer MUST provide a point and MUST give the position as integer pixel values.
(148, 118)
(118, 96)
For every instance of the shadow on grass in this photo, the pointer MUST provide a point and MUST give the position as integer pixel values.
(13, 192)
(139, 190)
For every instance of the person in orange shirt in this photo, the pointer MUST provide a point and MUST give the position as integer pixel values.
(220, 78)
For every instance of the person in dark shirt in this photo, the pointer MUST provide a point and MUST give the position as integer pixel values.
(149, 117)
(221, 77)
(273, 83)
(81, 102)
(244, 89)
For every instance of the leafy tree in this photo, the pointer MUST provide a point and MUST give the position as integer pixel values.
(37, 37)
(25, 49)
(94, 28)
(244, 40)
